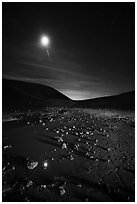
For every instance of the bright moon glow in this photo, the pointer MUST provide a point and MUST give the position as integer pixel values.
(44, 40)
(45, 164)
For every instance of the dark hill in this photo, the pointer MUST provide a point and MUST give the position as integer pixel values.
(123, 101)
(20, 95)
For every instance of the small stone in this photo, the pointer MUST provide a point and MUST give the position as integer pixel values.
(32, 165)
(109, 149)
(64, 146)
(7, 147)
(29, 184)
(62, 190)
(71, 157)
(108, 161)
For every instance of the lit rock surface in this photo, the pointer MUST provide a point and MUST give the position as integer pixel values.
(75, 156)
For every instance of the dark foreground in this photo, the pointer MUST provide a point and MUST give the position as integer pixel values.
(69, 155)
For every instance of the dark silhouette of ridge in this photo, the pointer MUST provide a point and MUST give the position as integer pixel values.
(20, 95)
(122, 101)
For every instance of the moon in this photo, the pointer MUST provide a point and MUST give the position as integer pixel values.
(45, 40)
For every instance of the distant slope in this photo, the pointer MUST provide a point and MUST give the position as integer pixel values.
(20, 95)
(123, 101)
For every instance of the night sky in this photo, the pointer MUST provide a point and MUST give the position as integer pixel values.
(92, 46)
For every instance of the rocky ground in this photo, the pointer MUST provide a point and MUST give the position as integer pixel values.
(69, 155)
